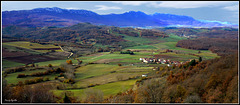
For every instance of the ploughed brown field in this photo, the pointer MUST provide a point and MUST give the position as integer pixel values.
(31, 58)
(46, 48)
(6, 53)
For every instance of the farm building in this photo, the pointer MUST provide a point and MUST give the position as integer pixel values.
(144, 75)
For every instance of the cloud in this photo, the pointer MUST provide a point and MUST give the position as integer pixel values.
(177, 4)
(232, 8)
(103, 7)
(192, 4)
(133, 3)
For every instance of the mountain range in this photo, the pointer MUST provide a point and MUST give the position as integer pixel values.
(55, 16)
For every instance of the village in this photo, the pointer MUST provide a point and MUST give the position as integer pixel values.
(160, 61)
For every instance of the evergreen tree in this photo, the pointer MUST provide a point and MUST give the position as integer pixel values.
(192, 63)
(200, 59)
(66, 99)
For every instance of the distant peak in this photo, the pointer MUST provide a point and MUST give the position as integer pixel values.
(135, 12)
(47, 8)
(56, 9)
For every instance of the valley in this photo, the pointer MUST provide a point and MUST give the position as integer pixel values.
(101, 67)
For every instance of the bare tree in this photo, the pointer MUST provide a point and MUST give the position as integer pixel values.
(93, 96)
(151, 91)
(69, 71)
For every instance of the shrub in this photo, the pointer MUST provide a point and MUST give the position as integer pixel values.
(144, 78)
(139, 80)
(71, 81)
(5, 75)
(90, 63)
(112, 71)
(127, 52)
(51, 71)
(17, 69)
(49, 65)
(35, 80)
(91, 85)
(32, 65)
(61, 74)
(31, 81)
(21, 75)
(39, 79)
(192, 63)
(46, 79)
(58, 70)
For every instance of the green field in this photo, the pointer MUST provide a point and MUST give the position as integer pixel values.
(56, 62)
(142, 47)
(14, 48)
(116, 57)
(7, 63)
(94, 70)
(107, 89)
(104, 73)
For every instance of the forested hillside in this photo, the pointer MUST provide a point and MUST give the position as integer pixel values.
(82, 33)
(210, 81)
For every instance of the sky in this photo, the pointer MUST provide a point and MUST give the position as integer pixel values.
(224, 11)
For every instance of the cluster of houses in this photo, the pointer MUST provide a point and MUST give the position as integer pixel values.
(160, 61)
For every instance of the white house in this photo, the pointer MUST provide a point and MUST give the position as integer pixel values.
(145, 61)
(144, 75)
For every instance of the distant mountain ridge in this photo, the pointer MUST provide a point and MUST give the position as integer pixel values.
(63, 17)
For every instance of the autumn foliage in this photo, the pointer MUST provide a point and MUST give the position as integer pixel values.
(69, 61)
